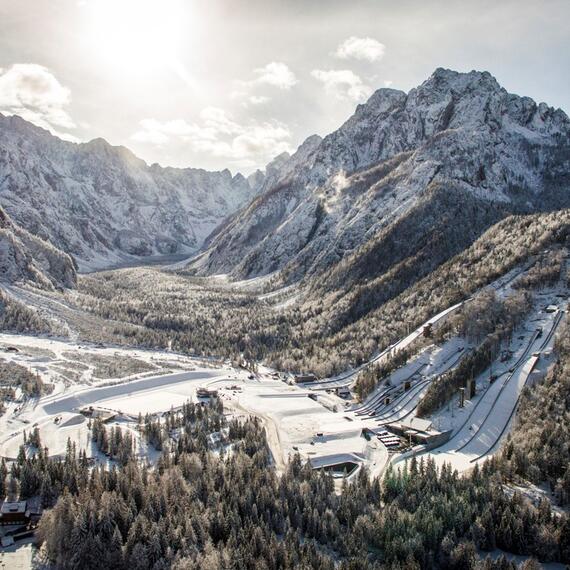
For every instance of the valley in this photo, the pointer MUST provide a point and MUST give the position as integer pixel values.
(308, 418)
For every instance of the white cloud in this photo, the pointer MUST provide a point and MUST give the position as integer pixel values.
(343, 83)
(276, 74)
(257, 99)
(217, 134)
(31, 91)
(367, 49)
(388, 83)
(217, 121)
(159, 133)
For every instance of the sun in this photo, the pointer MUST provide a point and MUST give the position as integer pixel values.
(138, 34)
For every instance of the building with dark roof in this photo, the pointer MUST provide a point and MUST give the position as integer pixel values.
(20, 512)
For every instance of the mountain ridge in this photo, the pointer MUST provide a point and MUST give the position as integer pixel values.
(460, 131)
(103, 204)
(457, 132)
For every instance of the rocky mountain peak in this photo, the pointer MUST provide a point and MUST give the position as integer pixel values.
(277, 163)
(455, 134)
(443, 78)
(309, 144)
(381, 101)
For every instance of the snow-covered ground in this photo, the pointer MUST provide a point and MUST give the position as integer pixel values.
(56, 359)
(302, 424)
(18, 556)
(420, 369)
(293, 418)
(280, 298)
(153, 394)
(168, 380)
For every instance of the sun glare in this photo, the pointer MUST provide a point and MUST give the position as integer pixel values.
(139, 34)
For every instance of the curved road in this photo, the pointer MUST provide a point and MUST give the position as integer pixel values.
(72, 402)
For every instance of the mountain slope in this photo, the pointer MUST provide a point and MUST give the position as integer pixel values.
(341, 329)
(27, 258)
(102, 204)
(457, 137)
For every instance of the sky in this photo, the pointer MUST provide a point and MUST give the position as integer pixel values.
(232, 83)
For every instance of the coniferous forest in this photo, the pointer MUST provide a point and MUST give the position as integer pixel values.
(228, 508)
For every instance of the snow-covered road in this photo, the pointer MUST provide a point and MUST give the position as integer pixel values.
(154, 388)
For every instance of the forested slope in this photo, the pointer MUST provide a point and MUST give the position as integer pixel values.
(27, 258)
(324, 332)
(539, 446)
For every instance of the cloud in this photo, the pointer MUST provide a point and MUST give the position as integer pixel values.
(218, 134)
(367, 49)
(276, 74)
(31, 91)
(257, 99)
(388, 83)
(343, 83)
(159, 133)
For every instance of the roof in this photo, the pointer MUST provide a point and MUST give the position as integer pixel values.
(11, 507)
(417, 424)
(305, 377)
(330, 460)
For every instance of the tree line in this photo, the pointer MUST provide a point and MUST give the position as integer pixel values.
(14, 376)
(324, 332)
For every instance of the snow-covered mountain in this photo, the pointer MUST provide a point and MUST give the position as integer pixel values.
(101, 203)
(436, 165)
(27, 258)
